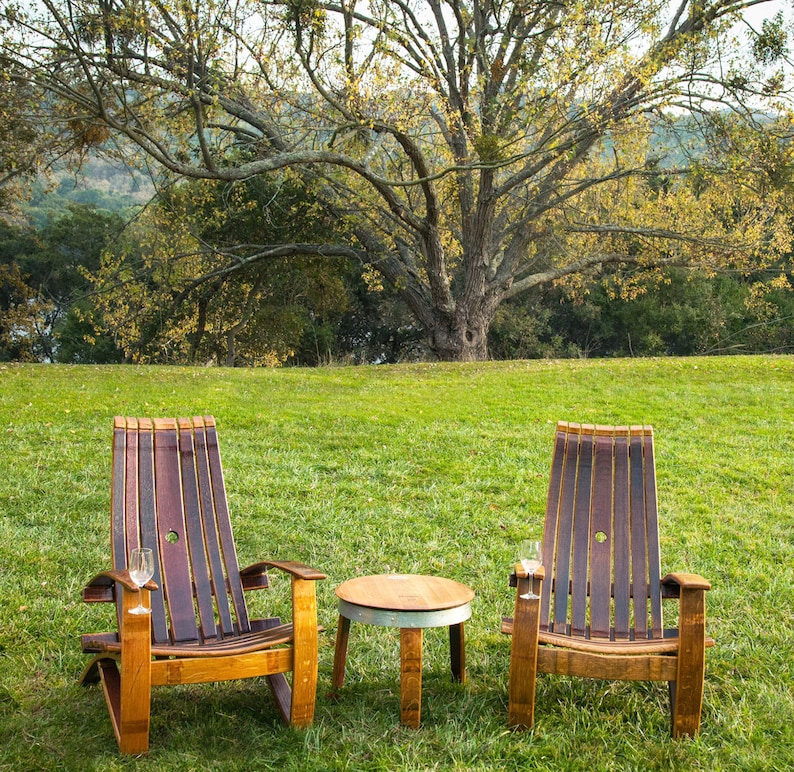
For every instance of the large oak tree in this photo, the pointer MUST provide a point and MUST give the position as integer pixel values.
(467, 149)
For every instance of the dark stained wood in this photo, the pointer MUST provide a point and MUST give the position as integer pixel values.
(108, 674)
(602, 538)
(340, 652)
(457, 652)
(140, 441)
(601, 611)
(669, 645)
(560, 517)
(622, 537)
(639, 554)
(196, 546)
(581, 536)
(171, 532)
(224, 524)
(550, 528)
(282, 694)
(168, 494)
(652, 536)
(217, 576)
(119, 494)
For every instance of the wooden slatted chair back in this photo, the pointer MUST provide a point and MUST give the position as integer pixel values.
(601, 536)
(168, 494)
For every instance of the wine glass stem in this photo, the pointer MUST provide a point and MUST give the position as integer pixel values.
(530, 594)
(140, 608)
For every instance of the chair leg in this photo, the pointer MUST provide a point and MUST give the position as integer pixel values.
(91, 674)
(686, 693)
(129, 698)
(305, 658)
(523, 659)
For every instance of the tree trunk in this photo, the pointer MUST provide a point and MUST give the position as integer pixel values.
(464, 337)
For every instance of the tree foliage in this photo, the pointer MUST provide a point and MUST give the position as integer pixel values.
(677, 312)
(169, 294)
(46, 310)
(467, 150)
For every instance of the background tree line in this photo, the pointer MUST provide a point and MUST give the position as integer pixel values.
(82, 283)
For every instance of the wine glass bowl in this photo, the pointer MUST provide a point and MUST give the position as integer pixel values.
(530, 555)
(141, 570)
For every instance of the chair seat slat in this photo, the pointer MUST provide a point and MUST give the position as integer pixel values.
(268, 638)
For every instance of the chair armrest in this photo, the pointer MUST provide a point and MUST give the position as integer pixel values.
(521, 572)
(102, 587)
(521, 579)
(254, 577)
(672, 584)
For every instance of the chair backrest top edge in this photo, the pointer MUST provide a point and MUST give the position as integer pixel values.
(160, 424)
(601, 430)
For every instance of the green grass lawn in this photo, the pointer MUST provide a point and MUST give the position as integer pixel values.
(428, 468)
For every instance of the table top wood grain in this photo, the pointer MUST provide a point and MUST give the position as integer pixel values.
(405, 592)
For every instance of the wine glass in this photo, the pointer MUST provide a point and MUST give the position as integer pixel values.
(141, 571)
(530, 554)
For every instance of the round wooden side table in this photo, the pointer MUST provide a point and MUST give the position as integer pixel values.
(410, 602)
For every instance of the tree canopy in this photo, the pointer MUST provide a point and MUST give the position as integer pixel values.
(468, 150)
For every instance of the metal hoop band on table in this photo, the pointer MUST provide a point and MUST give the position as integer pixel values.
(413, 619)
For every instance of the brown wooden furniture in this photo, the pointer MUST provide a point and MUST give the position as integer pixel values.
(600, 609)
(412, 603)
(168, 494)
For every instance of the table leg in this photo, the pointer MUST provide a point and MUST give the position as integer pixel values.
(340, 651)
(457, 652)
(411, 676)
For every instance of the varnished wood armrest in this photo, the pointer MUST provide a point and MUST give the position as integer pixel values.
(682, 581)
(102, 587)
(255, 576)
(521, 573)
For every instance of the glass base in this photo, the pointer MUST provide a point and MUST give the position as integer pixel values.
(529, 596)
(140, 610)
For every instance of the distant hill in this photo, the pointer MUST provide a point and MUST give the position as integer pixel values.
(107, 186)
